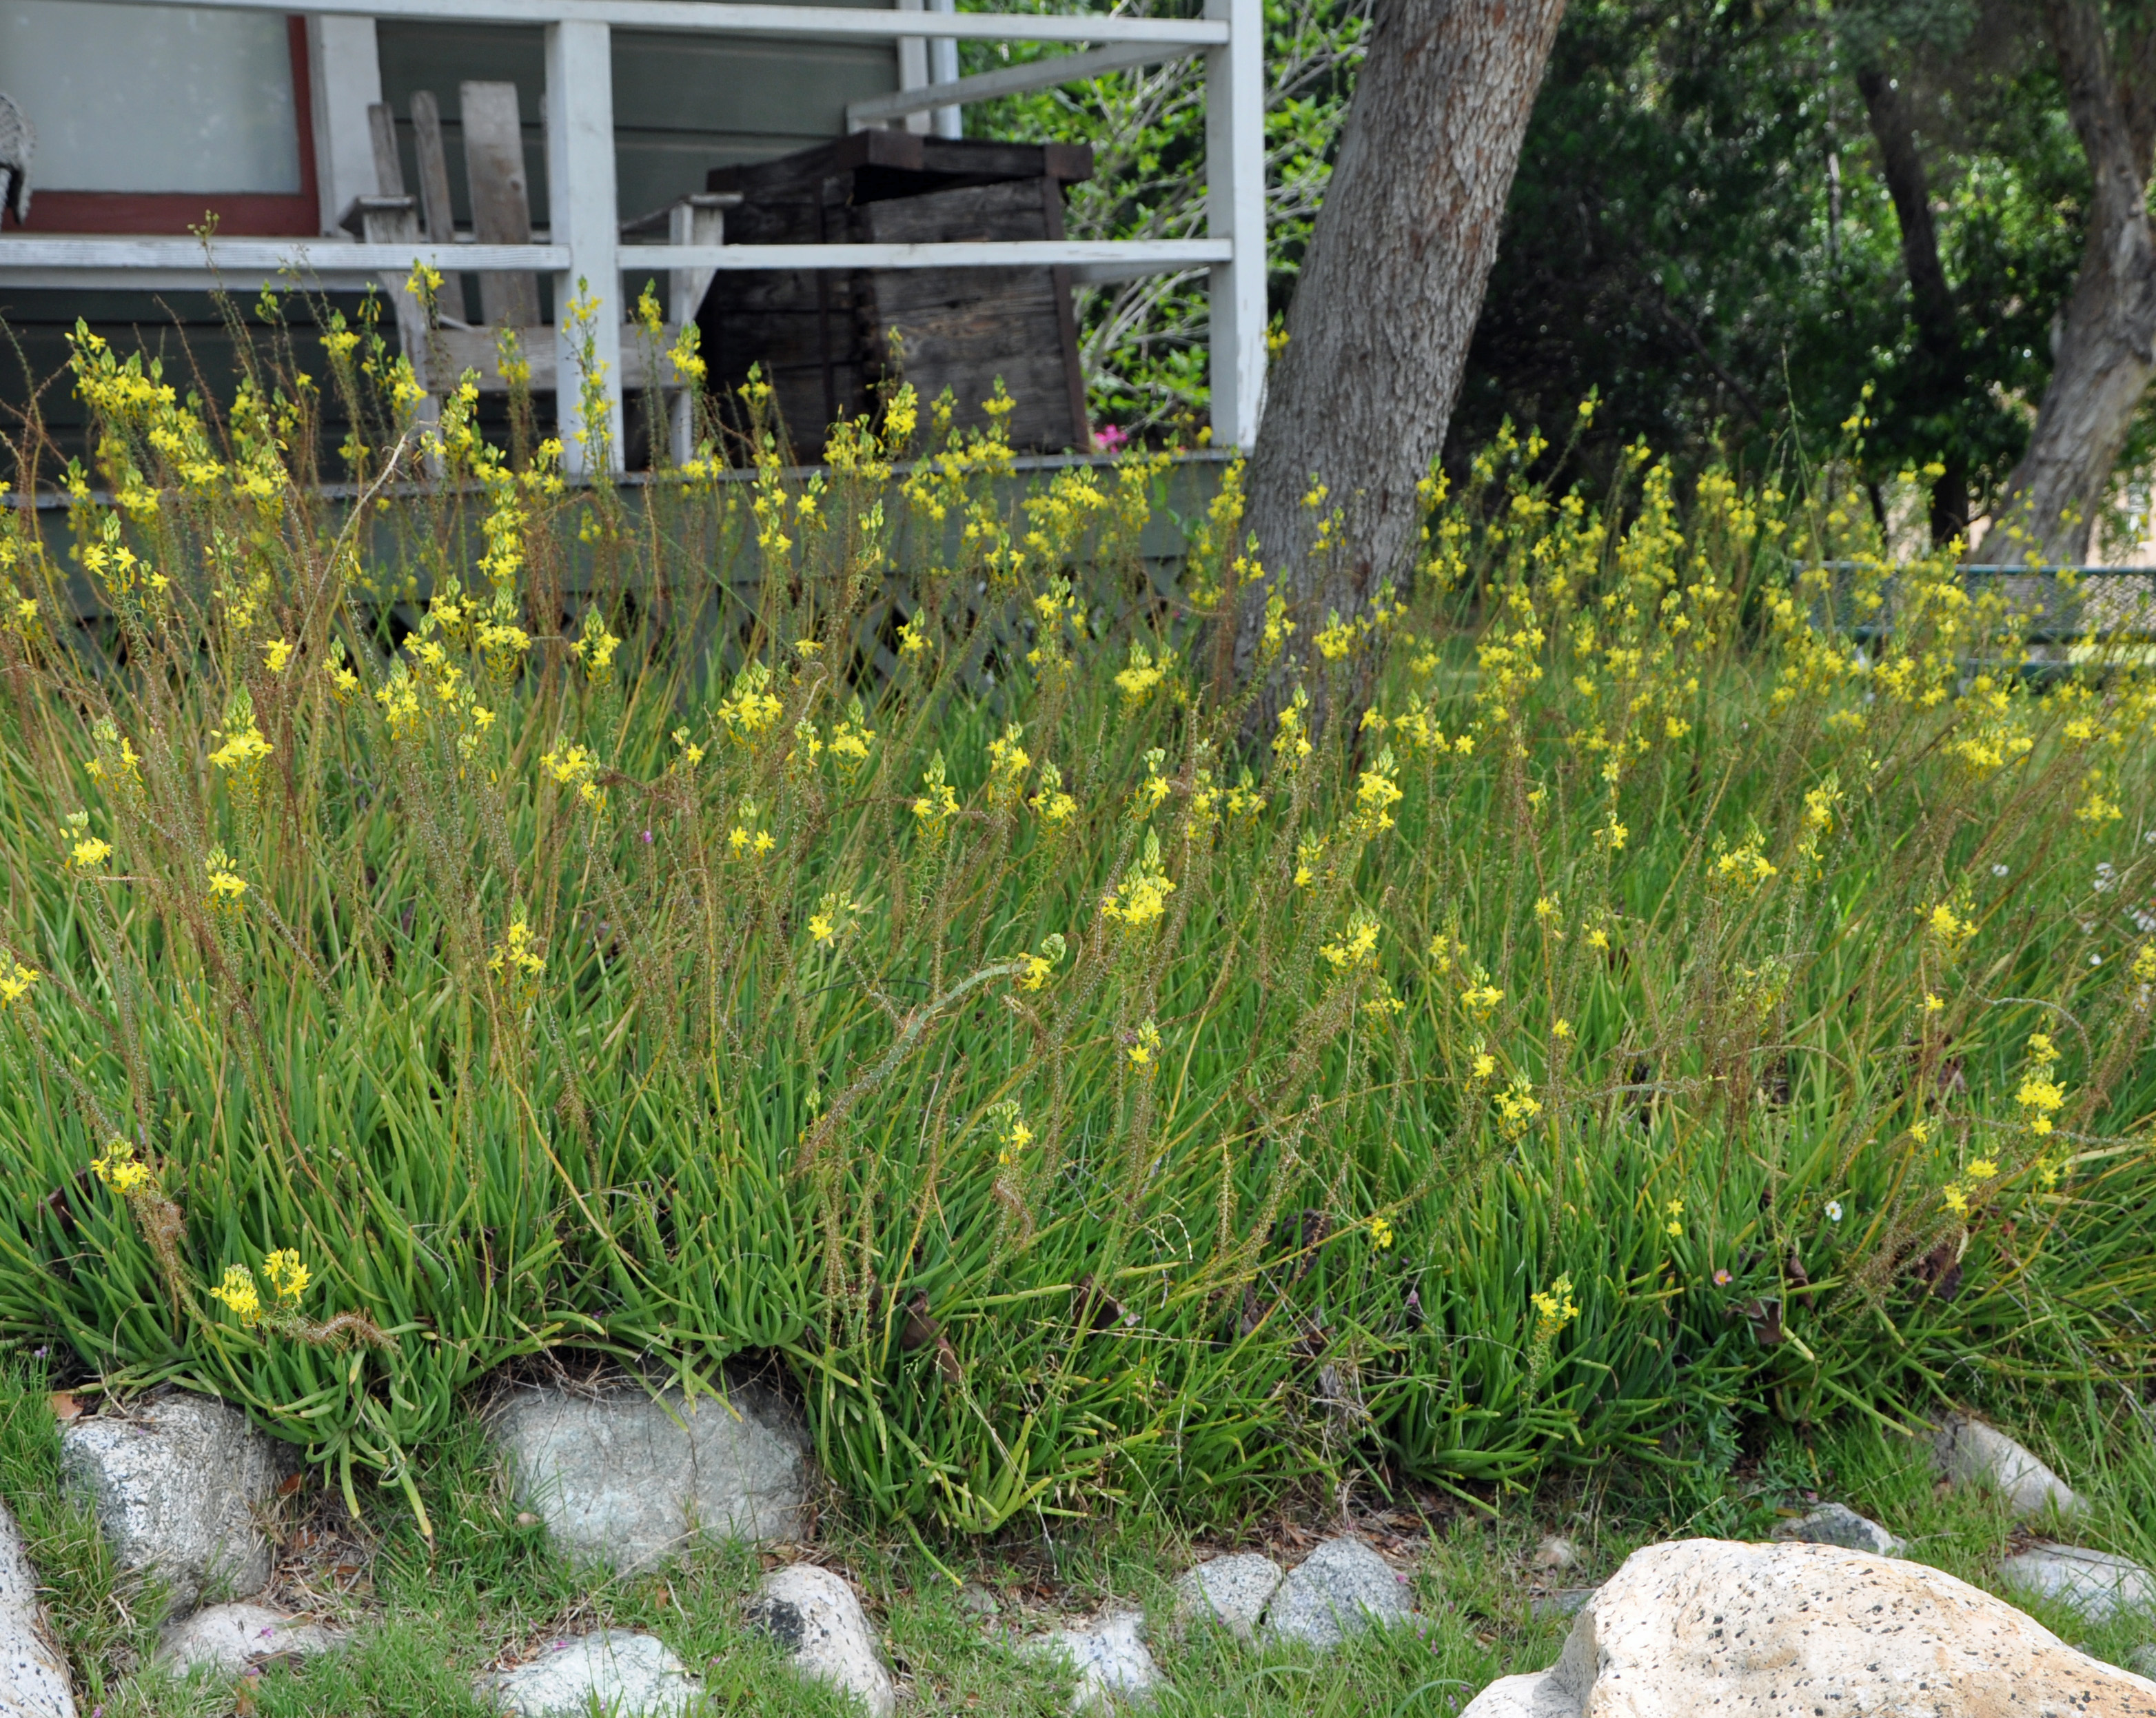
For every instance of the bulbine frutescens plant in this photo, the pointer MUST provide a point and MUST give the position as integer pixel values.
(838, 916)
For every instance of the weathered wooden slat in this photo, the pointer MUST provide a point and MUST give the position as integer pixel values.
(434, 159)
(500, 196)
(451, 352)
(388, 167)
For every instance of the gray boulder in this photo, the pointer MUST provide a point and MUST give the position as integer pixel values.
(1340, 1589)
(626, 1479)
(1969, 1452)
(2142, 1661)
(1561, 1601)
(1704, 1626)
(622, 1673)
(227, 1638)
(177, 1483)
(1109, 1661)
(2094, 1583)
(33, 1673)
(814, 1615)
(1837, 1524)
(1231, 1592)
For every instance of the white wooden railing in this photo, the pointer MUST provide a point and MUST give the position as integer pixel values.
(585, 242)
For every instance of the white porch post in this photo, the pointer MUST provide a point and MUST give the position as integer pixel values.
(580, 197)
(944, 69)
(913, 66)
(345, 68)
(1235, 210)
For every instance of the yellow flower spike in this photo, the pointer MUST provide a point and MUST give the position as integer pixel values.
(1146, 1046)
(15, 987)
(279, 653)
(238, 1291)
(288, 1277)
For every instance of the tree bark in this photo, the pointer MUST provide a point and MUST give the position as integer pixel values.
(1390, 290)
(2107, 349)
(1940, 376)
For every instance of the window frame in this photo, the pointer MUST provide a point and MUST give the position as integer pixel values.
(266, 214)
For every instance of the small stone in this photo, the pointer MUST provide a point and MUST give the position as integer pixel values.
(2094, 1584)
(176, 1485)
(1837, 1524)
(626, 1480)
(525, 1518)
(33, 1675)
(975, 1600)
(1565, 1602)
(1232, 1592)
(1109, 1660)
(2142, 1662)
(1969, 1452)
(227, 1638)
(814, 1615)
(1557, 1553)
(624, 1674)
(1339, 1589)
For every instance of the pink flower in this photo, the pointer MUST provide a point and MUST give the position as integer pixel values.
(1722, 1279)
(1109, 439)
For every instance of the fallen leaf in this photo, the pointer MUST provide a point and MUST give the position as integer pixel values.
(65, 1407)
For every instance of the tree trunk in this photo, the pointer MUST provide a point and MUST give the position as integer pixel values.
(2107, 348)
(1392, 285)
(1940, 376)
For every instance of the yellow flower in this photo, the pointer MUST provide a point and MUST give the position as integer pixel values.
(14, 987)
(238, 1291)
(279, 655)
(1932, 1003)
(242, 752)
(1484, 1065)
(1147, 1045)
(287, 1275)
(1562, 1029)
(821, 928)
(1982, 1169)
(1381, 1234)
(1957, 1201)
(119, 1170)
(90, 853)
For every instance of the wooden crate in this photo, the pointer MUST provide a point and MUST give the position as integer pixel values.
(822, 337)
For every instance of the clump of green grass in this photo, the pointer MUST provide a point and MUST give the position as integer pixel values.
(1630, 984)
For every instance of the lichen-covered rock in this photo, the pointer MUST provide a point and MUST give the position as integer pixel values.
(1837, 1524)
(1108, 1661)
(2094, 1583)
(617, 1671)
(1789, 1631)
(178, 1483)
(1340, 1589)
(814, 1615)
(1231, 1592)
(626, 1479)
(227, 1638)
(33, 1674)
(1970, 1452)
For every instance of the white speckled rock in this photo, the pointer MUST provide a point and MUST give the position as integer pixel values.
(2094, 1583)
(1232, 1592)
(227, 1638)
(1970, 1452)
(626, 1479)
(1340, 1589)
(1109, 1660)
(1702, 1626)
(33, 1674)
(176, 1483)
(1837, 1524)
(624, 1673)
(1534, 1695)
(814, 1615)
